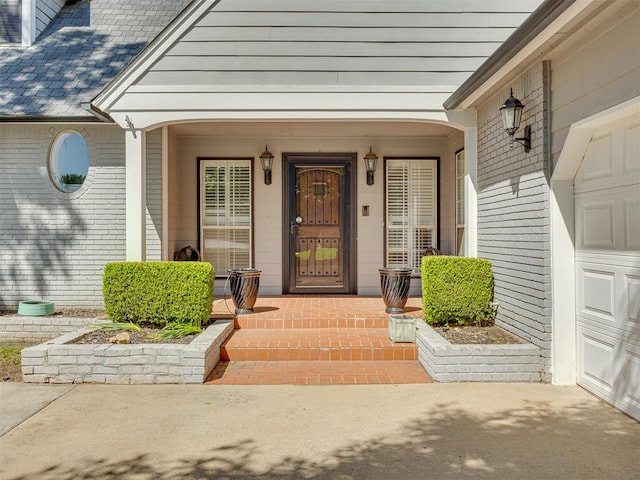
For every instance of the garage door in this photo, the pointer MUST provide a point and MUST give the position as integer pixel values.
(607, 239)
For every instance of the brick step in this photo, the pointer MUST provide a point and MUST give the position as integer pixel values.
(319, 344)
(318, 373)
(262, 323)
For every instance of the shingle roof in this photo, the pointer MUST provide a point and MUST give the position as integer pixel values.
(81, 50)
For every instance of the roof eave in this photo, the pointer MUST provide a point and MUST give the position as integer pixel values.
(14, 118)
(532, 27)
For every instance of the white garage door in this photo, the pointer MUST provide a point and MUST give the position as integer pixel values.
(607, 228)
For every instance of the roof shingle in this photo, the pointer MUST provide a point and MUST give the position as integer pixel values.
(80, 51)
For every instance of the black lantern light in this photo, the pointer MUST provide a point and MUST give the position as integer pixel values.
(370, 161)
(266, 159)
(511, 111)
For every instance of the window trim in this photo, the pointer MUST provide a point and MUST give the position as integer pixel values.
(52, 174)
(251, 160)
(437, 209)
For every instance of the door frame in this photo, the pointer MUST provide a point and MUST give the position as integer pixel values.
(291, 161)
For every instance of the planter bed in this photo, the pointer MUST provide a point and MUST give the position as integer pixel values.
(447, 362)
(60, 361)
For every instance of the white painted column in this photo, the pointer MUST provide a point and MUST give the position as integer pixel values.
(563, 332)
(471, 192)
(468, 121)
(165, 194)
(136, 194)
(28, 22)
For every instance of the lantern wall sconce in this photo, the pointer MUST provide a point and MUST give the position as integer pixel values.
(370, 162)
(511, 112)
(266, 160)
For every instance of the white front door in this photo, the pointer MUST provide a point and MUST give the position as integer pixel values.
(607, 262)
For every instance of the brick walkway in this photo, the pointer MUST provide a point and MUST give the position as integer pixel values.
(316, 340)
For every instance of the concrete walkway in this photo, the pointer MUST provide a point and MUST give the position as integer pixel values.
(439, 431)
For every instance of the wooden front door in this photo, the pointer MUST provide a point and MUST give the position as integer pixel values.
(319, 224)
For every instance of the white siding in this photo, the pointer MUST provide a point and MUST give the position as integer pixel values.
(45, 11)
(596, 73)
(317, 43)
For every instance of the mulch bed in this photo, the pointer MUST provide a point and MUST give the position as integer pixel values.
(478, 335)
(145, 335)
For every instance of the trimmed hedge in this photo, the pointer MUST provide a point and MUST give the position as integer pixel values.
(158, 292)
(457, 290)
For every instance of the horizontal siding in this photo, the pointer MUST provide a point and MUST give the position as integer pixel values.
(303, 78)
(596, 74)
(414, 6)
(338, 43)
(45, 11)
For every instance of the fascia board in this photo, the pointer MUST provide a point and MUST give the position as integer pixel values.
(149, 55)
(522, 55)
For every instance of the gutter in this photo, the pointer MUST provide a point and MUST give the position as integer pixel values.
(46, 119)
(540, 19)
(96, 112)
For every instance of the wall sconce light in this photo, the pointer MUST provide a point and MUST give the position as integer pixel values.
(370, 162)
(266, 160)
(511, 111)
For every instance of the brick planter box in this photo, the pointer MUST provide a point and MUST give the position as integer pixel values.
(59, 361)
(447, 362)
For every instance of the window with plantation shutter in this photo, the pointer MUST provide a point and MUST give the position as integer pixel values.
(411, 212)
(459, 200)
(225, 214)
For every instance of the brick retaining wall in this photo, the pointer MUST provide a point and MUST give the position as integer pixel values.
(447, 362)
(59, 361)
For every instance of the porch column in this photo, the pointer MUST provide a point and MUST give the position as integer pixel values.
(471, 192)
(136, 192)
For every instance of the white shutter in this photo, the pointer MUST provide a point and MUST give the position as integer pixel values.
(225, 214)
(459, 200)
(460, 188)
(411, 211)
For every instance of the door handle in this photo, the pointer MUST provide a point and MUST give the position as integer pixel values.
(295, 223)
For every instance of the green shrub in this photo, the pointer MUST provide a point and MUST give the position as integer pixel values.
(158, 292)
(457, 290)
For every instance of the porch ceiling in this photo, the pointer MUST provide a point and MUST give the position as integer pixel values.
(313, 129)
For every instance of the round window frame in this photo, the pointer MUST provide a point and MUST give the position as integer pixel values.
(50, 169)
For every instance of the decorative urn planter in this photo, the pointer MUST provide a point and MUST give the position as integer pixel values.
(244, 283)
(394, 283)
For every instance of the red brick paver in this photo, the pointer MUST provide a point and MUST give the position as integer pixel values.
(316, 340)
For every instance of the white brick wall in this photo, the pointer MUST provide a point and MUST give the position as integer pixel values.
(446, 362)
(514, 215)
(60, 361)
(54, 245)
(29, 329)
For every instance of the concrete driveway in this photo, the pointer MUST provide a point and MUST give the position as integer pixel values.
(439, 431)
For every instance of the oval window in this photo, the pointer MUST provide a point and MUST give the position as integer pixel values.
(68, 161)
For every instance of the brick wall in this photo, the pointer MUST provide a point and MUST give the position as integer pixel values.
(54, 245)
(513, 212)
